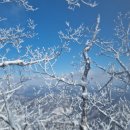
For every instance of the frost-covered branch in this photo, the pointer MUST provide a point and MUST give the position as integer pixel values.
(16, 36)
(118, 49)
(24, 63)
(77, 3)
(23, 3)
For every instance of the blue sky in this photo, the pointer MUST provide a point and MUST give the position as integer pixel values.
(50, 19)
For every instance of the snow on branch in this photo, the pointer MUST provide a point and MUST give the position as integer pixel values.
(23, 3)
(26, 5)
(76, 3)
(24, 63)
(16, 35)
(34, 56)
(73, 34)
(81, 34)
(90, 42)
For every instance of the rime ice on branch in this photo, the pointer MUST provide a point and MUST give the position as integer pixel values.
(76, 3)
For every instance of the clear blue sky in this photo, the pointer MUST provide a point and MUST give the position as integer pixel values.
(52, 14)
